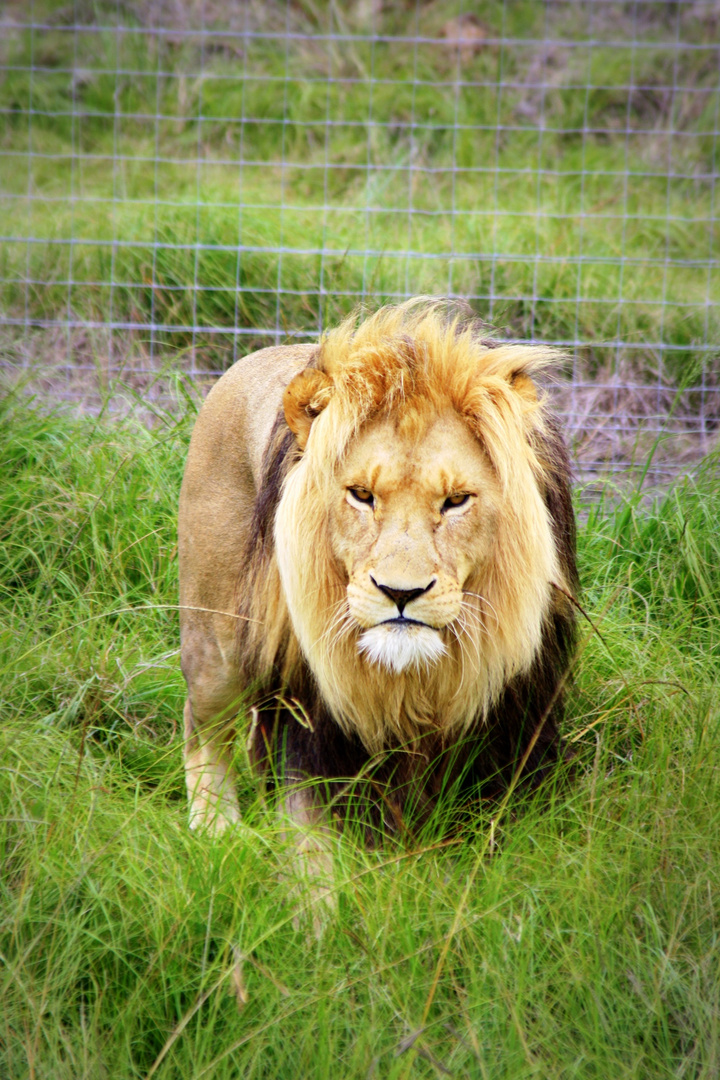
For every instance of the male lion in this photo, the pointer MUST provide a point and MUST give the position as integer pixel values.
(377, 554)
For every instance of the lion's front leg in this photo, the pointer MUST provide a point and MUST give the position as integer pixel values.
(312, 861)
(209, 774)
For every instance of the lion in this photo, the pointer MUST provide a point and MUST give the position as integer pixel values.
(377, 563)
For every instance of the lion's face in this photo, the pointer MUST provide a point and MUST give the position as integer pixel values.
(412, 519)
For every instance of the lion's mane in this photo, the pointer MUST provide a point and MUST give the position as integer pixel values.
(319, 704)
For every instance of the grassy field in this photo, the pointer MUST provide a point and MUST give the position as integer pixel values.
(571, 934)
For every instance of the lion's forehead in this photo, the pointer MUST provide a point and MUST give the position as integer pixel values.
(402, 461)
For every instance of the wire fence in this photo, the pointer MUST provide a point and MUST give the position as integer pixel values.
(181, 183)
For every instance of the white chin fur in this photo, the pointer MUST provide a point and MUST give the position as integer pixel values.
(401, 647)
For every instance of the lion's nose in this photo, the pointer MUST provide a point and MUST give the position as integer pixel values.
(401, 597)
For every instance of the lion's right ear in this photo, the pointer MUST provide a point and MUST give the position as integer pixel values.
(305, 397)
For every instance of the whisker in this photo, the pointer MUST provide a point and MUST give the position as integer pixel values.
(331, 627)
(343, 627)
(342, 632)
(335, 623)
(462, 658)
(466, 592)
(461, 639)
(469, 612)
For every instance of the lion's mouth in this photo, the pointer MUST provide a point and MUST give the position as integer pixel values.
(401, 620)
(400, 643)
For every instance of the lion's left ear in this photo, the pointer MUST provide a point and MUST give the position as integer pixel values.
(305, 397)
(523, 385)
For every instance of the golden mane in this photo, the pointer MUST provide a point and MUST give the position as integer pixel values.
(407, 362)
(424, 355)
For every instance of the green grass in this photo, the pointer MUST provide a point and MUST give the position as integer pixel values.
(577, 937)
(500, 183)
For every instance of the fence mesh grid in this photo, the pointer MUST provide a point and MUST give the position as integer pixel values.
(181, 183)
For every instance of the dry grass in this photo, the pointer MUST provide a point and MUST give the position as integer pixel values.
(613, 421)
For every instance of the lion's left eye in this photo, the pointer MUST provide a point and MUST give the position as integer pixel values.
(362, 495)
(454, 501)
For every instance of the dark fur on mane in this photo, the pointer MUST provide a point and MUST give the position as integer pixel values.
(295, 738)
(280, 456)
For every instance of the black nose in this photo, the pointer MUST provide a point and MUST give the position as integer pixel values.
(401, 597)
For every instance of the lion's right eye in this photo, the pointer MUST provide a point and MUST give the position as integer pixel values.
(453, 501)
(361, 495)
